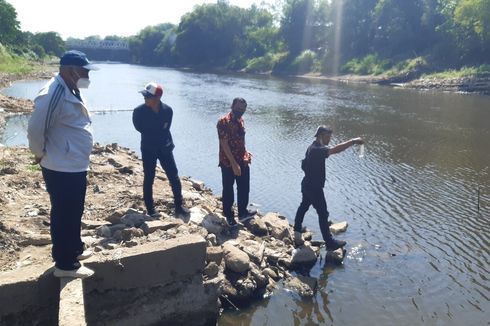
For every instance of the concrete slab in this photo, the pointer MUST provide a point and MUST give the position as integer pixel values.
(72, 307)
(30, 295)
(154, 263)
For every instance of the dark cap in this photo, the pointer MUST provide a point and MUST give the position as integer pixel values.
(323, 130)
(76, 58)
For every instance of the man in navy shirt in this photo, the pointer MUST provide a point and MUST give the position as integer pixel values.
(153, 120)
(313, 182)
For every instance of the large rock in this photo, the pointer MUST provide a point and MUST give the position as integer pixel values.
(302, 287)
(213, 223)
(92, 224)
(214, 254)
(304, 255)
(197, 215)
(278, 225)
(338, 227)
(164, 225)
(254, 250)
(133, 219)
(36, 239)
(257, 226)
(115, 218)
(235, 259)
(197, 184)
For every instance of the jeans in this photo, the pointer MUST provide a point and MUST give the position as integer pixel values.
(313, 196)
(243, 189)
(167, 162)
(67, 194)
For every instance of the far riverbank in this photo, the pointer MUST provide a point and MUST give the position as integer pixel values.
(470, 84)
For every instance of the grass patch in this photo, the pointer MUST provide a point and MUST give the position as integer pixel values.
(478, 71)
(13, 64)
(33, 168)
(369, 65)
(407, 66)
(305, 62)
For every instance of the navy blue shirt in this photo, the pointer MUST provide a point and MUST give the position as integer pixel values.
(154, 127)
(314, 165)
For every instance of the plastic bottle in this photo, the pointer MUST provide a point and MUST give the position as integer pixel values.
(361, 151)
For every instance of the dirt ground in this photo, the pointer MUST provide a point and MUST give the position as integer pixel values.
(114, 182)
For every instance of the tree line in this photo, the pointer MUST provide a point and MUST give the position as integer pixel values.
(300, 36)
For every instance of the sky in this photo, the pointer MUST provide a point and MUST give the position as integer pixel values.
(84, 18)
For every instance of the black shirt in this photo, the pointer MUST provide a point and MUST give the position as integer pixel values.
(154, 127)
(314, 165)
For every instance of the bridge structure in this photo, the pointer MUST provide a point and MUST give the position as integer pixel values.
(106, 45)
(102, 50)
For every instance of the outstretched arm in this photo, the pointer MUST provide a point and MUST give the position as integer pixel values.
(343, 146)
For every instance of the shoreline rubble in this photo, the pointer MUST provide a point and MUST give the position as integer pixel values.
(248, 260)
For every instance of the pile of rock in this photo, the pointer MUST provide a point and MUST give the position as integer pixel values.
(249, 258)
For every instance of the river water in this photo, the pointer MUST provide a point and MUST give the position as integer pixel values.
(418, 248)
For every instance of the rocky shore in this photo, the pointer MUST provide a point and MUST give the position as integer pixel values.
(249, 260)
(475, 85)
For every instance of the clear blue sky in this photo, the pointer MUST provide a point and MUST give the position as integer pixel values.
(104, 17)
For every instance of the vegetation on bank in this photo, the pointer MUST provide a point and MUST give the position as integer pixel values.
(11, 63)
(480, 71)
(364, 37)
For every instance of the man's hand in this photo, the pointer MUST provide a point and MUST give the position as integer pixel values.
(357, 141)
(37, 160)
(236, 169)
(248, 160)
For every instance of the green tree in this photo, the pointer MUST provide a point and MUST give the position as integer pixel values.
(296, 25)
(151, 44)
(260, 37)
(398, 27)
(9, 25)
(349, 32)
(473, 17)
(51, 42)
(210, 34)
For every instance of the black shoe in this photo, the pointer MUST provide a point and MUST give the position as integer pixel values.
(182, 211)
(247, 215)
(334, 244)
(231, 221)
(153, 213)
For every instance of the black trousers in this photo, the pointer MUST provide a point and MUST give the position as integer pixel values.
(313, 196)
(167, 162)
(67, 194)
(243, 189)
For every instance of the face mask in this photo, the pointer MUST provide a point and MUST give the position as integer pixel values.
(83, 83)
(237, 114)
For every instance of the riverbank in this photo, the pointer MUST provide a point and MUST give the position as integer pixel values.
(470, 84)
(12, 106)
(249, 259)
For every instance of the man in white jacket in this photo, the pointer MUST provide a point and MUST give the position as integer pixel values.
(59, 133)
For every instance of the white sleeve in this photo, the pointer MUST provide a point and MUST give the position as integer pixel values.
(42, 118)
(36, 127)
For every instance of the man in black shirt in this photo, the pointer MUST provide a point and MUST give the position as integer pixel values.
(153, 120)
(313, 182)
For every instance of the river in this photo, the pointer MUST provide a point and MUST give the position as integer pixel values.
(417, 204)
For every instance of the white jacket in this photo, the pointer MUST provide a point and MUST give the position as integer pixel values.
(59, 129)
